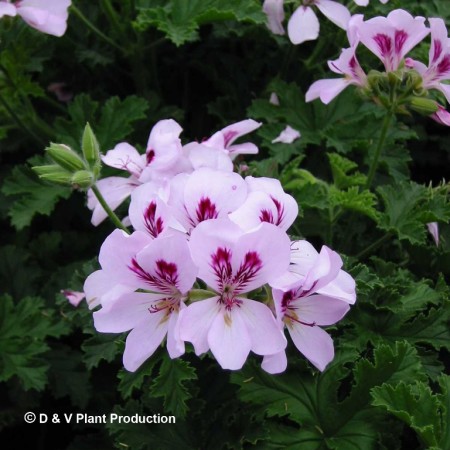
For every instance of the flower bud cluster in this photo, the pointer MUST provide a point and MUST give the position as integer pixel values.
(71, 168)
(405, 85)
(209, 261)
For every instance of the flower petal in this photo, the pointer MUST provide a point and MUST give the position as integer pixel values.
(314, 343)
(7, 9)
(274, 364)
(125, 157)
(287, 136)
(326, 89)
(275, 15)
(303, 25)
(337, 13)
(320, 310)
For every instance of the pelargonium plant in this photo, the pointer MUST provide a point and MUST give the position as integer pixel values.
(223, 245)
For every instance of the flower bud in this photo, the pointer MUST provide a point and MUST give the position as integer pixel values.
(90, 147)
(82, 179)
(65, 157)
(424, 106)
(53, 173)
(374, 78)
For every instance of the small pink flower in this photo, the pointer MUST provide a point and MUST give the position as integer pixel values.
(233, 263)
(348, 66)
(304, 25)
(60, 91)
(392, 37)
(164, 273)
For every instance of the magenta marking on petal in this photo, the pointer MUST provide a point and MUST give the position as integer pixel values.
(437, 50)
(400, 38)
(221, 264)
(336, 67)
(150, 156)
(206, 210)
(444, 66)
(166, 277)
(153, 224)
(289, 310)
(266, 216)
(228, 136)
(251, 265)
(384, 43)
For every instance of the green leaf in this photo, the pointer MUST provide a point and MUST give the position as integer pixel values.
(100, 347)
(180, 20)
(171, 384)
(415, 405)
(24, 328)
(409, 207)
(33, 196)
(129, 381)
(353, 199)
(341, 168)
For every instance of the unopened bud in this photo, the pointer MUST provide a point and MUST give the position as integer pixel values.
(82, 179)
(374, 78)
(90, 147)
(395, 78)
(53, 173)
(65, 157)
(424, 106)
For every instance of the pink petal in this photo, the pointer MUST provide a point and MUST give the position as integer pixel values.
(274, 100)
(265, 334)
(445, 89)
(143, 340)
(439, 40)
(275, 15)
(204, 156)
(287, 136)
(7, 9)
(326, 89)
(314, 343)
(229, 340)
(168, 262)
(48, 16)
(125, 157)
(335, 12)
(206, 239)
(196, 321)
(441, 116)
(274, 364)
(175, 345)
(361, 2)
(433, 228)
(164, 145)
(246, 148)
(127, 312)
(238, 129)
(114, 190)
(73, 297)
(303, 25)
(343, 287)
(320, 310)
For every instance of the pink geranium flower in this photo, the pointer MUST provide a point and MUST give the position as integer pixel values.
(392, 37)
(48, 16)
(233, 263)
(304, 24)
(164, 273)
(302, 308)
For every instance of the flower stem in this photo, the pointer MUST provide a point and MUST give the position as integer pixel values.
(380, 145)
(368, 250)
(93, 28)
(116, 221)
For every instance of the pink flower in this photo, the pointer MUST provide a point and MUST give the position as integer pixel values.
(74, 297)
(164, 273)
(163, 154)
(366, 2)
(304, 258)
(304, 25)
(60, 90)
(441, 116)
(392, 37)
(287, 136)
(348, 66)
(48, 16)
(233, 263)
(438, 68)
(266, 202)
(275, 15)
(303, 309)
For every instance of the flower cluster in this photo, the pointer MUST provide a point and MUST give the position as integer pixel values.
(405, 83)
(209, 261)
(47, 16)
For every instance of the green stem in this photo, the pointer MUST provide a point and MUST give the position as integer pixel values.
(19, 122)
(380, 145)
(113, 16)
(116, 221)
(368, 250)
(93, 28)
